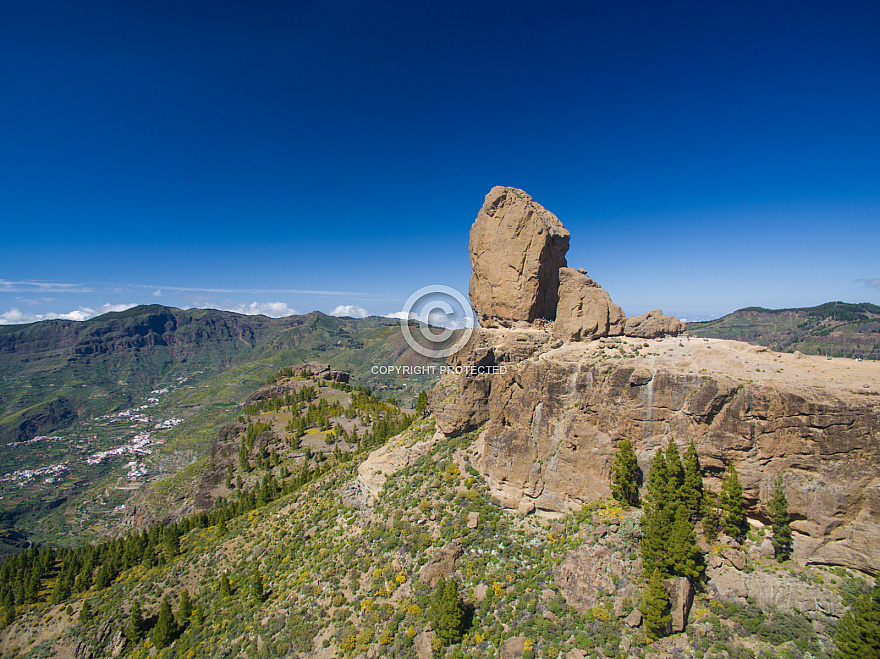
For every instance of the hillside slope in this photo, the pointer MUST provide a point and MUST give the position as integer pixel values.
(89, 411)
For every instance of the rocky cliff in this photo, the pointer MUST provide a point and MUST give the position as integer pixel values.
(554, 398)
(552, 418)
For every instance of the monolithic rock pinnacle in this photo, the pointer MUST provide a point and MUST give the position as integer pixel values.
(517, 248)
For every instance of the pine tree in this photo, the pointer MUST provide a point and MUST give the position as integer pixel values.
(221, 527)
(103, 578)
(198, 616)
(85, 613)
(446, 613)
(692, 487)
(657, 520)
(625, 475)
(777, 511)
(730, 500)
(657, 478)
(172, 544)
(224, 586)
(674, 475)
(257, 591)
(135, 628)
(711, 522)
(165, 630)
(684, 558)
(655, 607)
(858, 634)
(422, 403)
(184, 610)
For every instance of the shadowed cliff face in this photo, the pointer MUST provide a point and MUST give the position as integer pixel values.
(552, 419)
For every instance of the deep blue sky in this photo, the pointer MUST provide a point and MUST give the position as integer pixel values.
(312, 155)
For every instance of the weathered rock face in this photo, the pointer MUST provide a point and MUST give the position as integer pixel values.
(585, 310)
(652, 325)
(681, 596)
(781, 589)
(462, 404)
(552, 419)
(517, 247)
(398, 453)
(592, 571)
(442, 564)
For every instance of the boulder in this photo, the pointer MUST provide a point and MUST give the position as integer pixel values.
(441, 565)
(653, 325)
(585, 310)
(525, 507)
(634, 619)
(734, 557)
(516, 250)
(590, 572)
(681, 596)
(513, 648)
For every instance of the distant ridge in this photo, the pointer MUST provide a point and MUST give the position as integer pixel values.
(836, 329)
(54, 371)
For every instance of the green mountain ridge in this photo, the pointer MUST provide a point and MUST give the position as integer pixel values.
(836, 329)
(106, 362)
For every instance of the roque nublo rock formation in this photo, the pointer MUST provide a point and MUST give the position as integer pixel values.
(572, 388)
(519, 276)
(517, 248)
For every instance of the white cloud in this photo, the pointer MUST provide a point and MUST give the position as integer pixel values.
(33, 286)
(157, 293)
(16, 317)
(350, 310)
(435, 319)
(870, 283)
(271, 309)
(400, 315)
(449, 321)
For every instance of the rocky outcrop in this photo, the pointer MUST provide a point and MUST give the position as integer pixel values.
(517, 247)
(399, 452)
(593, 571)
(321, 371)
(552, 418)
(462, 404)
(441, 565)
(781, 589)
(652, 325)
(585, 311)
(519, 276)
(681, 596)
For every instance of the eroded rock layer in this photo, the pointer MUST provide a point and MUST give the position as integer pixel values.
(553, 413)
